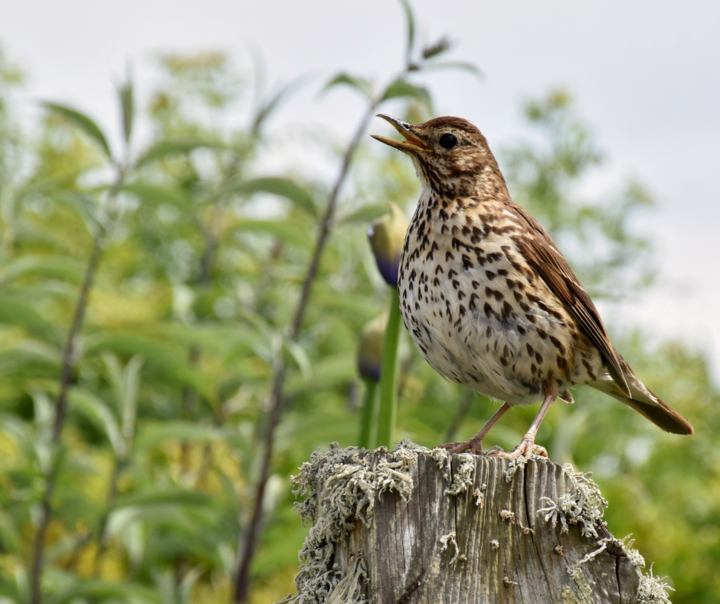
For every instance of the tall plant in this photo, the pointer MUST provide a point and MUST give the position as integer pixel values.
(375, 95)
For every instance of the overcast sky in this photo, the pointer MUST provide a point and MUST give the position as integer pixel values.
(645, 74)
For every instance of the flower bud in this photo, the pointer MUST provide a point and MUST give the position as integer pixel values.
(439, 47)
(387, 236)
(371, 347)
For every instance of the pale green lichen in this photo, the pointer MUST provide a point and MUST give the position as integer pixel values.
(446, 541)
(514, 466)
(464, 478)
(352, 587)
(507, 516)
(627, 546)
(521, 462)
(479, 497)
(348, 483)
(653, 590)
(584, 594)
(584, 505)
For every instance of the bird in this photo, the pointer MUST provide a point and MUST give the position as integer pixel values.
(488, 297)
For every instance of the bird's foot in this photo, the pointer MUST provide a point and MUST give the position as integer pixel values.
(472, 445)
(527, 448)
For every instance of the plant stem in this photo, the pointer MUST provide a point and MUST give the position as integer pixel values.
(68, 366)
(368, 412)
(275, 404)
(389, 374)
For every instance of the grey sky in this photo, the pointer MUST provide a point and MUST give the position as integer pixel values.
(644, 74)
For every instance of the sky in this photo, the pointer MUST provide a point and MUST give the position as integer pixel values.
(644, 73)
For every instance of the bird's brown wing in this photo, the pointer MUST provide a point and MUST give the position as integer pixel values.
(542, 255)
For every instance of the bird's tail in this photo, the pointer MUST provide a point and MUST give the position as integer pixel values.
(644, 402)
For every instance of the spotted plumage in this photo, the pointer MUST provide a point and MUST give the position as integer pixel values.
(487, 296)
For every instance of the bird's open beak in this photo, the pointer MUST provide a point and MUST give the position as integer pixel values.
(411, 142)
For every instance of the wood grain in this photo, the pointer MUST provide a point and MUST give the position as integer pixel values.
(470, 533)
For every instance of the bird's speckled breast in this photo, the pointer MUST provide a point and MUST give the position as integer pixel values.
(477, 312)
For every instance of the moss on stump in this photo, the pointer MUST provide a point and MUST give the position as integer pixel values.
(416, 526)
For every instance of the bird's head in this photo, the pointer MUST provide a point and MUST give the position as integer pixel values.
(450, 154)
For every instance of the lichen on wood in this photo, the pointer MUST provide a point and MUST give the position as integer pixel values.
(419, 526)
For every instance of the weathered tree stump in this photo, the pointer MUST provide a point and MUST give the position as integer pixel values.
(418, 526)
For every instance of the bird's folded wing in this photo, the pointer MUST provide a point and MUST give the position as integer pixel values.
(543, 256)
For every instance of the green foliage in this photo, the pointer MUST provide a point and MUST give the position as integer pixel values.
(186, 320)
(595, 233)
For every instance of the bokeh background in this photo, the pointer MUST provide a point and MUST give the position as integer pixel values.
(604, 118)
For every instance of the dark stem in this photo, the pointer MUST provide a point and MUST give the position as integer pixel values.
(327, 223)
(249, 539)
(68, 366)
(68, 362)
(275, 407)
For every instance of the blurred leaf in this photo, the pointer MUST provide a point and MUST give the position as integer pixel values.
(130, 388)
(329, 372)
(127, 104)
(99, 413)
(21, 433)
(163, 495)
(366, 214)
(167, 357)
(87, 207)
(82, 121)
(26, 353)
(156, 195)
(170, 591)
(16, 311)
(165, 149)
(156, 434)
(267, 107)
(49, 266)
(97, 590)
(410, 17)
(9, 535)
(301, 358)
(286, 231)
(283, 187)
(362, 85)
(403, 88)
(462, 65)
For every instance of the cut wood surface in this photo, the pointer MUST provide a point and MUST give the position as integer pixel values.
(418, 526)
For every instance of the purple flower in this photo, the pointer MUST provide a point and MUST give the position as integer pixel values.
(387, 236)
(370, 350)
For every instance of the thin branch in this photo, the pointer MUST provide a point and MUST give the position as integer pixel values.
(327, 223)
(275, 404)
(68, 366)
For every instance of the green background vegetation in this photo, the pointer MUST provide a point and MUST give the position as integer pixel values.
(201, 259)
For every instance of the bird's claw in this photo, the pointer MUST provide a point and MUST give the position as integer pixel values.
(527, 448)
(474, 446)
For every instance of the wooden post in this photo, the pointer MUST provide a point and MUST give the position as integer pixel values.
(418, 526)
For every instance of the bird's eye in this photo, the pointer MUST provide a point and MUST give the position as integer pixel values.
(448, 141)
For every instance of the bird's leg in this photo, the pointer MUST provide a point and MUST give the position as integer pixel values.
(475, 443)
(527, 445)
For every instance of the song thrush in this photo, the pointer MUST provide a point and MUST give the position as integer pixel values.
(489, 299)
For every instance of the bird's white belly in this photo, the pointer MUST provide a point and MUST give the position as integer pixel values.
(466, 354)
